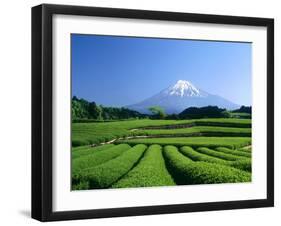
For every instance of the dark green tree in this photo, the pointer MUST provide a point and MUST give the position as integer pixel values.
(203, 112)
(157, 112)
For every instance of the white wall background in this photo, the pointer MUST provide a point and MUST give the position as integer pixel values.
(15, 111)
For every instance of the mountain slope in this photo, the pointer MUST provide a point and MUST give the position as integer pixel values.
(180, 96)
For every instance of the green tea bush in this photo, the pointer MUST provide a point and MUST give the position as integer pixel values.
(74, 149)
(106, 174)
(195, 142)
(87, 150)
(220, 155)
(77, 143)
(241, 123)
(95, 159)
(185, 171)
(234, 152)
(245, 149)
(151, 171)
(198, 130)
(196, 156)
(242, 164)
(245, 165)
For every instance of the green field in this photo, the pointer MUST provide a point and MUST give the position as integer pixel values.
(147, 153)
(98, 132)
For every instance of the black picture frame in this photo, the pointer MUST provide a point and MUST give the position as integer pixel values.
(42, 111)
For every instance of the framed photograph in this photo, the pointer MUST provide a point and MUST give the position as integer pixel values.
(145, 112)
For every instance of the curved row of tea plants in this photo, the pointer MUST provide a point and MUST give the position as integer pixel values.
(204, 130)
(186, 171)
(234, 152)
(120, 166)
(211, 142)
(151, 171)
(221, 155)
(104, 175)
(95, 159)
(88, 150)
(145, 153)
(241, 163)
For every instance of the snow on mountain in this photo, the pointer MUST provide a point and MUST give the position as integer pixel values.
(180, 96)
(183, 88)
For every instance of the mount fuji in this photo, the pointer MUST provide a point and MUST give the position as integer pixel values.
(180, 96)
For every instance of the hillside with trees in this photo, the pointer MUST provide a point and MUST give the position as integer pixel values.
(244, 109)
(85, 110)
(204, 112)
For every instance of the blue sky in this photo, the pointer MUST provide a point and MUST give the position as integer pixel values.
(118, 71)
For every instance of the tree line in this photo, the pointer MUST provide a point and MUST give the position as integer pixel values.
(200, 112)
(84, 110)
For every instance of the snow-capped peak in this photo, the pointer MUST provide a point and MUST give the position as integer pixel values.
(184, 88)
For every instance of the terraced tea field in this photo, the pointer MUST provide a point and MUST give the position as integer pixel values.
(146, 153)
